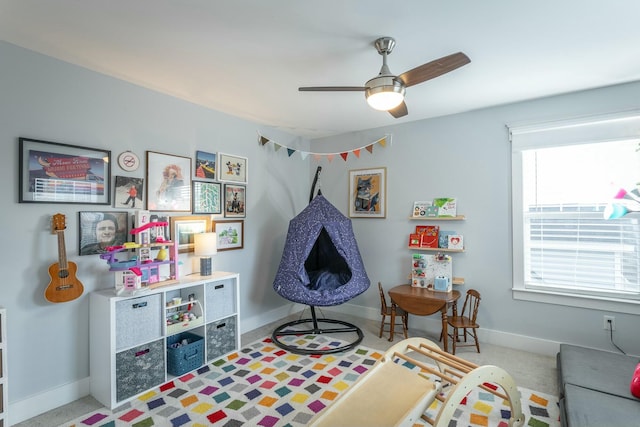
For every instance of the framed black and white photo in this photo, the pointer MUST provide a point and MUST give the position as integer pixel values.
(100, 230)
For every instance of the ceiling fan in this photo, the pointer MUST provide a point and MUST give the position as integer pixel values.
(386, 91)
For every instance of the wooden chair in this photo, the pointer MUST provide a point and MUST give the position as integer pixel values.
(466, 321)
(402, 317)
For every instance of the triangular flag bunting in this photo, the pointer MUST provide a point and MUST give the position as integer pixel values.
(384, 141)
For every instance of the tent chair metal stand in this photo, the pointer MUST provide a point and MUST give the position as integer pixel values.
(321, 266)
(289, 329)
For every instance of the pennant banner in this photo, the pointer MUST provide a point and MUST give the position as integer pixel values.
(383, 142)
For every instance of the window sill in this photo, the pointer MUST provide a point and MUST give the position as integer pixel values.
(576, 300)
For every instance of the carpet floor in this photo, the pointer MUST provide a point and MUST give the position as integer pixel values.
(264, 385)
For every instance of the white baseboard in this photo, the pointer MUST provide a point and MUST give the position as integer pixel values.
(255, 322)
(433, 324)
(48, 400)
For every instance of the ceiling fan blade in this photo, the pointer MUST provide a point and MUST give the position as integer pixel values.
(332, 89)
(399, 111)
(433, 69)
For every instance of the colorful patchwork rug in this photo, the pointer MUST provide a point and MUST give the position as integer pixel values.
(264, 385)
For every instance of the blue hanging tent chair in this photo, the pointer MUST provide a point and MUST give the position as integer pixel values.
(320, 266)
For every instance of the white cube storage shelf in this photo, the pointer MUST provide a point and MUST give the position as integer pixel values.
(128, 344)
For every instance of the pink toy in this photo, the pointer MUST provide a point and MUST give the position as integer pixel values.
(635, 382)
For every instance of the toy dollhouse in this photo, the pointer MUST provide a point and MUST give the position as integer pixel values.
(152, 260)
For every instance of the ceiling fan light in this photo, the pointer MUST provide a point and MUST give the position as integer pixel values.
(384, 93)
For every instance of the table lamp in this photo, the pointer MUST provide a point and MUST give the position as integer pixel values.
(205, 245)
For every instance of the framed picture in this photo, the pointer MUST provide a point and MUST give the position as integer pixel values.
(232, 168)
(205, 165)
(230, 234)
(168, 182)
(234, 201)
(128, 192)
(184, 227)
(51, 172)
(162, 232)
(368, 193)
(207, 197)
(99, 230)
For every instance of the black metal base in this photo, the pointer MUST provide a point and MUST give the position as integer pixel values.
(346, 327)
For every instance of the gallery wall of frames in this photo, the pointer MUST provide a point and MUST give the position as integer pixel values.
(203, 193)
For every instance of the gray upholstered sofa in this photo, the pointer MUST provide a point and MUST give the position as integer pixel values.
(594, 388)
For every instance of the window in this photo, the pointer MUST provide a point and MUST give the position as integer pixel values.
(569, 247)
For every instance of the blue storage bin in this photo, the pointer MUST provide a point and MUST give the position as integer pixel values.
(183, 358)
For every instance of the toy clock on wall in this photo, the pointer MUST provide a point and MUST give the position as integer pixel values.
(128, 161)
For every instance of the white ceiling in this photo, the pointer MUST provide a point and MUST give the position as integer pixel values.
(247, 58)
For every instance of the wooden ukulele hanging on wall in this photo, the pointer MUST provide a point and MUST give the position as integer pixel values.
(64, 285)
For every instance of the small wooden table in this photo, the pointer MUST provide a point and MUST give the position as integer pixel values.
(422, 302)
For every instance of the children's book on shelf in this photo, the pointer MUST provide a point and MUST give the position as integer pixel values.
(456, 241)
(420, 209)
(414, 240)
(429, 237)
(446, 206)
(421, 229)
(443, 238)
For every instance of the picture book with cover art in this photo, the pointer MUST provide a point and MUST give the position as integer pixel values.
(446, 206)
(429, 236)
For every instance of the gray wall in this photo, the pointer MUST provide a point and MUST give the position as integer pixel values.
(46, 99)
(466, 156)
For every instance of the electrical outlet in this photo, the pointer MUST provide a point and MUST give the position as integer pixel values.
(609, 323)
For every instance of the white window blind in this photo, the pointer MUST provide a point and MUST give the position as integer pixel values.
(564, 174)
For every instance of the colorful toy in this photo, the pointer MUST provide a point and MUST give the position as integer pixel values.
(635, 382)
(140, 271)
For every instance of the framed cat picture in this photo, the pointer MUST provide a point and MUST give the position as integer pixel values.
(368, 193)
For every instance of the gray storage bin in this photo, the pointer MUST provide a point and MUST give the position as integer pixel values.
(221, 337)
(138, 320)
(139, 369)
(220, 299)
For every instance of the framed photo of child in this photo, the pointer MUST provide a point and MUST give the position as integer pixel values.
(128, 192)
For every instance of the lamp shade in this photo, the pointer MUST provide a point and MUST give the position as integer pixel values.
(205, 244)
(384, 93)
